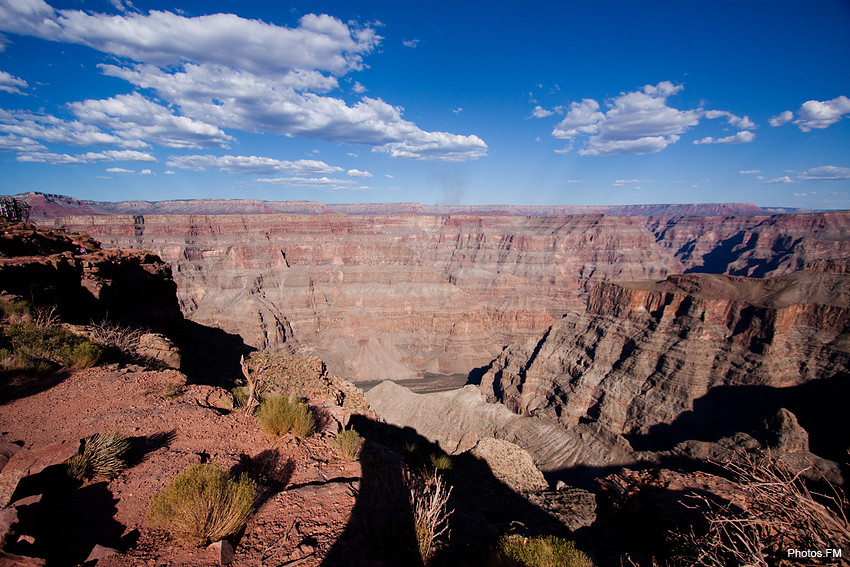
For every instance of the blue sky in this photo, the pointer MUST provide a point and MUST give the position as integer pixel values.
(441, 103)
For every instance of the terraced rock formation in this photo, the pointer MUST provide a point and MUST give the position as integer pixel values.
(397, 296)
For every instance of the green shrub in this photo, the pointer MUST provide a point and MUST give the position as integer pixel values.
(203, 504)
(349, 443)
(541, 551)
(279, 415)
(102, 455)
(84, 354)
(240, 396)
(32, 342)
(13, 309)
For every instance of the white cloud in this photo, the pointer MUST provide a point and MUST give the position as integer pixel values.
(826, 173)
(458, 110)
(741, 137)
(318, 182)
(358, 88)
(165, 38)
(540, 112)
(88, 157)
(410, 43)
(119, 170)
(250, 164)
(572, 181)
(146, 172)
(621, 182)
(52, 129)
(358, 173)
(783, 179)
(11, 84)
(815, 114)
(15, 143)
(782, 118)
(222, 71)
(738, 122)
(388, 176)
(133, 117)
(637, 122)
(749, 172)
(583, 118)
(168, 172)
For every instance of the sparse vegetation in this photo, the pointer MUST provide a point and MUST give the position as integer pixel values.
(37, 344)
(779, 513)
(542, 551)
(203, 504)
(101, 455)
(349, 443)
(429, 464)
(119, 338)
(279, 415)
(428, 501)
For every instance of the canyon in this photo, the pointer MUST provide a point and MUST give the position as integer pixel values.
(401, 296)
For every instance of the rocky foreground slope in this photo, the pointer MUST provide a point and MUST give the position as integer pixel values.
(396, 296)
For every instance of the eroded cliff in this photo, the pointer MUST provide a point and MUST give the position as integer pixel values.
(395, 296)
(695, 356)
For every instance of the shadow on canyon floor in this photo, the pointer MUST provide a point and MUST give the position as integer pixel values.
(820, 407)
(381, 527)
(209, 355)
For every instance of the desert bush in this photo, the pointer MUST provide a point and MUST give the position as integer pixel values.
(349, 443)
(44, 340)
(779, 513)
(240, 396)
(101, 455)
(278, 415)
(428, 502)
(118, 337)
(541, 551)
(15, 311)
(428, 464)
(203, 504)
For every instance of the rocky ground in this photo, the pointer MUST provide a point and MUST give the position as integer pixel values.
(307, 507)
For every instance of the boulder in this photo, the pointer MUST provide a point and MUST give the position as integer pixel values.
(158, 347)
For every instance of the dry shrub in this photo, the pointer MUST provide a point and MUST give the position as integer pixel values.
(349, 443)
(541, 551)
(780, 514)
(118, 337)
(203, 504)
(279, 415)
(428, 501)
(101, 455)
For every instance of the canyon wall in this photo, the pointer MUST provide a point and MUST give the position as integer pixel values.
(396, 296)
(695, 356)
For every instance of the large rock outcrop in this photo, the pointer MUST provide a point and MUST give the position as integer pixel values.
(395, 296)
(694, 356)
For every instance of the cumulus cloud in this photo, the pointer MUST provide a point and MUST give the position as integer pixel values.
(133, 117)
(742, 123)
(358, 173)
(782, 118)
(11, 84)
(741, 137)
(637, 122)
(165, 38)
(249, 164)
(412, 43)
(826, 173)
(358, 88)
(48, 128)
(815, 114)
(15, 143)
(540, 112)
(222, 71)
(119, 170)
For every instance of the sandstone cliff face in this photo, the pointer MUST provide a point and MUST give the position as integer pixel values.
(395, 296)
(132, 287)
(648, 358)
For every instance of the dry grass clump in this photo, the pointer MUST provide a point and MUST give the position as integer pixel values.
(779, 514)
(120, 338)
(203, 504)
(279, 415)
(101, 455)
(428, 501)
(349, 443)
(541, 551)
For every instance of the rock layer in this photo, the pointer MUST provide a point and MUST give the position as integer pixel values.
(395, 296)
(694, 354)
